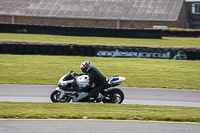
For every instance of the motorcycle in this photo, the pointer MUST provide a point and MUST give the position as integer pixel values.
(67, 90)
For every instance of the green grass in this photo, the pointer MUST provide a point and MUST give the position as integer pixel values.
(98, 111)
(156, 73)
(166, 41)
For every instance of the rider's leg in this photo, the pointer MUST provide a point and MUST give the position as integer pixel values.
(95, 92)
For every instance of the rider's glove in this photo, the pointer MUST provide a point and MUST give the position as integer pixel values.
(75, 74)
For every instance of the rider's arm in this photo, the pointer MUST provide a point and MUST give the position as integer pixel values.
(78, 74)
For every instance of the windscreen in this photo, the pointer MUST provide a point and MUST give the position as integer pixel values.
(68, 77)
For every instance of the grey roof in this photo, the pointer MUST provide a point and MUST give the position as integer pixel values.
(145, 10)
(192, 0)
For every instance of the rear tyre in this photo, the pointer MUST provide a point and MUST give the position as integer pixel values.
(114, 95)
(55, 97)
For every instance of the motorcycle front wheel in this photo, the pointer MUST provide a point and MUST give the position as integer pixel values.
(114, 95)
(55, 97)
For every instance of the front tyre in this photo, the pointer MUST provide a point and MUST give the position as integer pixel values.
(55, 97)
(114, 95)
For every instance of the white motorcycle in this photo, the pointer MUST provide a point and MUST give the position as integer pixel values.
(68, 85)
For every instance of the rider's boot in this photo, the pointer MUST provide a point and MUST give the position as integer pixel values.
(99, 98)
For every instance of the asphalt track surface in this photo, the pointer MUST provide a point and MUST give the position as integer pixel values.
(94, 126)
(142, 96)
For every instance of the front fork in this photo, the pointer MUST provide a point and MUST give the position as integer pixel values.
(62, 93)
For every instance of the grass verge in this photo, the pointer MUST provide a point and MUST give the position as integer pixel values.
(58, 39)
(98, 111)
(156, 73)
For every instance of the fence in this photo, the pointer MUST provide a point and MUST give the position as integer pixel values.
(81, 31)
(103, 51)
(98, 32)
(168, 33)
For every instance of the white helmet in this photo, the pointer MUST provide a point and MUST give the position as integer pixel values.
(86, 66)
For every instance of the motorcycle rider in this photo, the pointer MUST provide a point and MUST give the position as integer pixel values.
(95, 76)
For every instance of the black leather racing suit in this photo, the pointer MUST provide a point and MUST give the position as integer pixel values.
(95, 77)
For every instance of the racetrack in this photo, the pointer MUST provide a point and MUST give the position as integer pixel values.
(143, 96)
(97, 126)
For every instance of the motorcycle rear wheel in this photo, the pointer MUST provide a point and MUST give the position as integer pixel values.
(55, 97)
(114, 95)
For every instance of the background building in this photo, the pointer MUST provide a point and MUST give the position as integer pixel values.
(103, 13)
(193, 9)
